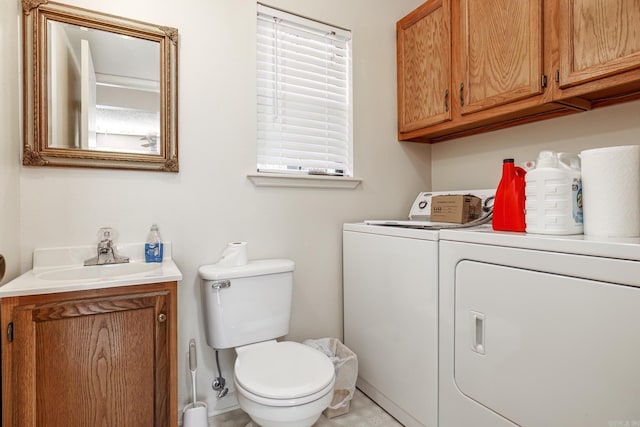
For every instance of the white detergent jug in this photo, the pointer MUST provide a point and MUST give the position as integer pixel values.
(553, 193)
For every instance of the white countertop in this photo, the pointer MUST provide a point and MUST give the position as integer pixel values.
(60, 259)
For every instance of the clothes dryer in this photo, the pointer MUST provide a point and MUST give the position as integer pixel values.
(538, 331)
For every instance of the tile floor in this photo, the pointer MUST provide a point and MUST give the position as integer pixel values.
(363, 413)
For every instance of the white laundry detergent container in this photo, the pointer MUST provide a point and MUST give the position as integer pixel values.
(553, 192)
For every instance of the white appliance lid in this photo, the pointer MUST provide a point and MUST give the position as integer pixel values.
(283, 370)
(409, 223)
(252, 268)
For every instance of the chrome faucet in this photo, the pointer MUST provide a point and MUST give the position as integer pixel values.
(106, 252)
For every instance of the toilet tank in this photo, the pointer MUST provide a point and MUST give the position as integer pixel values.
(248, 303)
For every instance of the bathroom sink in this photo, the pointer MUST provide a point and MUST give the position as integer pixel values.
(61, 269)
(96, 272)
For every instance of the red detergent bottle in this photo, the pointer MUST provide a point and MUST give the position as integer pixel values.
(508, 206)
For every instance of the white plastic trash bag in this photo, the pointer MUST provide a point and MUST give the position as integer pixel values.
(345, 362)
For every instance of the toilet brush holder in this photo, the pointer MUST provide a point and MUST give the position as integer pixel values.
(195, 415)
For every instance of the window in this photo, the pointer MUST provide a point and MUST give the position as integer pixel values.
(304, 96)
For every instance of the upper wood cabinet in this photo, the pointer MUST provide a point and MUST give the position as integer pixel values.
(424, 66)
(512, 62)
(498, 51)
(599, 48)
(91, 358)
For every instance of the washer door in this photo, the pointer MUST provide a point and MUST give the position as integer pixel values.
(547, 350)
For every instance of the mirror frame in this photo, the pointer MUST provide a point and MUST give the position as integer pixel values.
(36, 151)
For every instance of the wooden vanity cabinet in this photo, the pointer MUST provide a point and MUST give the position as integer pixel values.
(512, 62)
(102, 357)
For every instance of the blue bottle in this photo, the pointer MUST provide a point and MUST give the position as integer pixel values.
(153, 248)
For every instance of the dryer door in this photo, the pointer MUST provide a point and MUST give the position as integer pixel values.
(547, 350)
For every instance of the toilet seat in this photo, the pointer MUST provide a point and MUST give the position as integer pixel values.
(283, 373)
(298, 402)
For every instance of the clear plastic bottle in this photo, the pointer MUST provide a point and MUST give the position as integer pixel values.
(554, 195)
(153, 248)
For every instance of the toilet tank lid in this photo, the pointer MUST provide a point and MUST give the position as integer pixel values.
(252, 268)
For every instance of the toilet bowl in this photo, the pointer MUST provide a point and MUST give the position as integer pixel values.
(283, 383)
(278, 384)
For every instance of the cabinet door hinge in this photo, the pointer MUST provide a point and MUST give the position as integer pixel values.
(544, 81)
(558, 76)
(10, 332)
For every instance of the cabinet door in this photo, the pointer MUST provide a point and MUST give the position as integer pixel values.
(424, 66)
(597, 38)
(498, 51)
(91, 361)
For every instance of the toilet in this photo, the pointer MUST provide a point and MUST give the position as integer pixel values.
(278, 383)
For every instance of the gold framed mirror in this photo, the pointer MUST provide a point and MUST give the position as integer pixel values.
(99, 90)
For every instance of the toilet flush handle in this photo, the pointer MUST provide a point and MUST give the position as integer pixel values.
(220, 284)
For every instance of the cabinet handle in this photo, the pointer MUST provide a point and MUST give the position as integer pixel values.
(2, 267)
(462, 94)
(446, 100)
(162, 317)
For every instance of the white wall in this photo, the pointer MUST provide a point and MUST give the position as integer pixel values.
(211, 202)
(9, 139)
(476, 161)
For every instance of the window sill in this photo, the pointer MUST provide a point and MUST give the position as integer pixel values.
(305, 181)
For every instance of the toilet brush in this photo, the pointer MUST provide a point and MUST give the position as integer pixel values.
(193, 366)
(195, 413)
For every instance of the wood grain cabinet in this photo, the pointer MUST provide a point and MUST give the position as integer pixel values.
(424, 67)
(470, 66)
(90, 358)
(598, 43)
(499, 52)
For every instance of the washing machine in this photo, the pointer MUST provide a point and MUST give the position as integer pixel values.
(390, 270)
(538, 331)
(391, 317)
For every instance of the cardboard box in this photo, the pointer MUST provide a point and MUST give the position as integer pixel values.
(455, 208)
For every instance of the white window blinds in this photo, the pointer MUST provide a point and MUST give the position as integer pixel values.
(304, 95)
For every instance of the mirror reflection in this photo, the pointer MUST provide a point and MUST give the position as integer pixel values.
(100, 90)
(104, 91)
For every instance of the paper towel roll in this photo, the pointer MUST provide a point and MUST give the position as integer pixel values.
(611, 191)
(235, 254)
